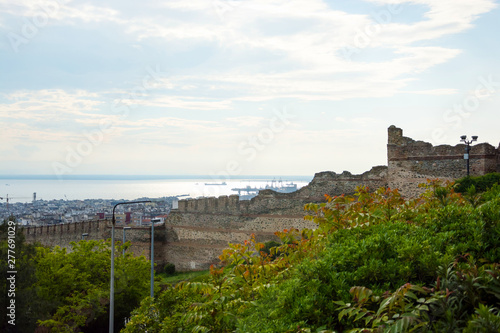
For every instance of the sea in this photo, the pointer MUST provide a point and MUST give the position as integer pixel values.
(80, 187)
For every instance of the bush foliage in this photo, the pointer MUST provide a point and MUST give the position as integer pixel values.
(375, 263)
(59, 290)
(480, 183)
(75, 285)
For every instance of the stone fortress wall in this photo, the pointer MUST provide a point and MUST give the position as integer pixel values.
(412, 162)
(201, 228)
(63, 234)
(195, 234)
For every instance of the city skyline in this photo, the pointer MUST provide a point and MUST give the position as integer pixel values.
(240, 87)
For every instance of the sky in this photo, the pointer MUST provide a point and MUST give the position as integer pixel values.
(241, 87)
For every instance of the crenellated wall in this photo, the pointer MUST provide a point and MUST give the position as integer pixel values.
(195, 234)
(63, 234)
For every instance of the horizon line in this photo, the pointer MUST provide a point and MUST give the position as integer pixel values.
(143, 176)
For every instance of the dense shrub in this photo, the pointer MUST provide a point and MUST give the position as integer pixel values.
(74, 285)
(375, 263)
(481, 183)
(169, 269)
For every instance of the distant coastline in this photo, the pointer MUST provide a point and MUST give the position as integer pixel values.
(156, 177)
(22, 188)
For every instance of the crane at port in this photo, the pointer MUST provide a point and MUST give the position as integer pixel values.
(6, 198)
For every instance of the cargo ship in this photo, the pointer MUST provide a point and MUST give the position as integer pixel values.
(277, 186)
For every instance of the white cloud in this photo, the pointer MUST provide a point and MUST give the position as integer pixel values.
(443, 17)
(313, 52)
(171, 122)
(47, 11)
(46, 104)
(443, 91)
(248, 121)
(224, 56)
(18, 133)
(181, 102)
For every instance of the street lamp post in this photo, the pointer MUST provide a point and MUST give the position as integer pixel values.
(463, 139)
(124, 228)
(112, 278)
(152, 258)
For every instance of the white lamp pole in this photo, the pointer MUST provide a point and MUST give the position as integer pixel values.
(112, 278)
(152, 258)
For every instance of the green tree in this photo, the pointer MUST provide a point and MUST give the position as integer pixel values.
(75, 285)
(27, 309)
(375, 263)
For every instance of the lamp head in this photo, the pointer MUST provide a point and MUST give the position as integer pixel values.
(463, 138)
(474, 138)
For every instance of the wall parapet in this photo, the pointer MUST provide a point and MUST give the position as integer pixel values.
(77, 227)
(63, 234)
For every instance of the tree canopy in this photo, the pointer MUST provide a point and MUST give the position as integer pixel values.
(67, 290)
(375, 263)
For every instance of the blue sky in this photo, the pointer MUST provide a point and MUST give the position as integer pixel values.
(217, 87)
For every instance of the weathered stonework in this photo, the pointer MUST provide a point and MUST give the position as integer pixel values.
(195, 234)
(201, 228)
(63, 234)
(411, 162)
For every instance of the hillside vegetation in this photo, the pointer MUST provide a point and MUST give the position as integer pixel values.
(375, 263)
(68, 291)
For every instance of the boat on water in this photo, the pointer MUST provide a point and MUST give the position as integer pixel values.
(248, 192)
(216, 184)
